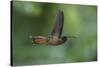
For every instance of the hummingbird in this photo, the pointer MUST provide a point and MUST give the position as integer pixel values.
(55, 38)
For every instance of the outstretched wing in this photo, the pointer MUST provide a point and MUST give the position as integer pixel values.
(57, 31)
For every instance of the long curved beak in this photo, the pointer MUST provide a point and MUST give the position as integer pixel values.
(72, 36)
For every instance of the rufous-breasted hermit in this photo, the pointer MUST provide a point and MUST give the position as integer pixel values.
(56, 38)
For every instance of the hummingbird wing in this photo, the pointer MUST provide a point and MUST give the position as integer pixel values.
(57, 31)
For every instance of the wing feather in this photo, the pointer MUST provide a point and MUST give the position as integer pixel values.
(57, 31)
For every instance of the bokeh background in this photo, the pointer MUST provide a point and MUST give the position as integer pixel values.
(38, 18)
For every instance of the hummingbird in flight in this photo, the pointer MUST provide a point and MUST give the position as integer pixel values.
(55, 38)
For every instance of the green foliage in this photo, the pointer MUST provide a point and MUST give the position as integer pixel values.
(32, 18)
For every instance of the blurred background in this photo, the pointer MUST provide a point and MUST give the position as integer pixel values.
(38, 18)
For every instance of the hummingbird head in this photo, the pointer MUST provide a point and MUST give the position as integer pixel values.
(64, 38)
